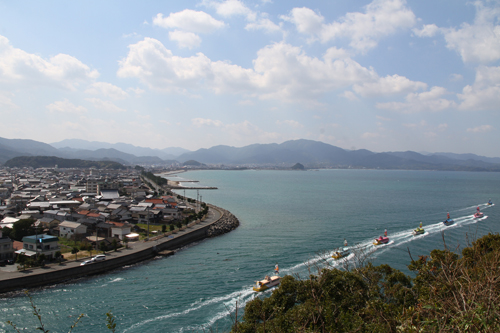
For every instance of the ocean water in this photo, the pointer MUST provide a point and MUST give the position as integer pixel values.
(292, 218)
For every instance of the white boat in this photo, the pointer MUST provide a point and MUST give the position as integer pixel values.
(341, 252)
(266, 283)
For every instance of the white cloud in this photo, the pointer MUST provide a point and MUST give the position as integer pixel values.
(263, 24)
(484, 94)
(104, 105)
(381, 18)
(480, 129)
(421, 102)
(106, 89)
(62, 70)
(456, 77)
(442, 127)
(370, 135)
(65, 106)
(478, 42)
(388, 85)
(200, 122)
(428, 30)
(6, 101)
(230, 7)
(280, 71)
(349, 95)
(185, 39)
(291, 123)
(189, 20)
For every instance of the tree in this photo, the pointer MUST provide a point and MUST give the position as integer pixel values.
(58, 256)
(114, 243)
(103, 247)
(75, 251)
(163, 228)
(21, 260)
(172, 227)
(21, 228)
(41, 259)
(125, 240)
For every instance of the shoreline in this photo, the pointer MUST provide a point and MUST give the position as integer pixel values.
(219, 221)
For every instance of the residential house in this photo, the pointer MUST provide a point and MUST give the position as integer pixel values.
(6, 249)
(38, 244)
(68, 229)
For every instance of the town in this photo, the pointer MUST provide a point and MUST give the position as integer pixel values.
(52, 215)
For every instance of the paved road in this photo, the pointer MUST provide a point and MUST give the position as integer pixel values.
(10, 271)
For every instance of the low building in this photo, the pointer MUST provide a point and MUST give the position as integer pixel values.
(68, 229)
(38, 244)
(6, 248)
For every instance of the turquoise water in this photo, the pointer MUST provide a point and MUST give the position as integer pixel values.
(291, 218)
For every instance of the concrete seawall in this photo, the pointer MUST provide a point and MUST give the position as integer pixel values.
(56, 274)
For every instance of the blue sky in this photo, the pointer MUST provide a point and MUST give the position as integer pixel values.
(383, 75)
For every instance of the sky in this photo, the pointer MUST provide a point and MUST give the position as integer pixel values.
(382, 75)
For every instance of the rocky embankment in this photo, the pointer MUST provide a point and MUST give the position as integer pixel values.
(226, 223)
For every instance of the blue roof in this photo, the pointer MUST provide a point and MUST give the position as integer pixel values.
(40, 239)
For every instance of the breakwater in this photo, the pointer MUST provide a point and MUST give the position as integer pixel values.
(226, 223)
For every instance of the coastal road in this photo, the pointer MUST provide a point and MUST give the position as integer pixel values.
(10, 271)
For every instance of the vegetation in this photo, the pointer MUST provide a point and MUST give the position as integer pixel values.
(160, 181)
(298, 166)
(450, 293)
(51, 161)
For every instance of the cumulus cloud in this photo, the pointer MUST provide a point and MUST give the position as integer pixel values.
(484, 94)
(230, 7)
(106, 89)
(478, 42)
(381, 18)
(62, 70)
(189, 20)
(104, 105)
(428, 30)
(388, 85)
(185, 39)
(65, 106)
(480, 129)
(280, 71)
(264, 24)
(420, 102)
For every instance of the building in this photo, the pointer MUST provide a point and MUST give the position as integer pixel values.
(68, 229)
(38, 244)
(6, 248)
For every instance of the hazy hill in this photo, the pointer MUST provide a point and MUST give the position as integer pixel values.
(10, 148)
(164, 154)
(52, 161)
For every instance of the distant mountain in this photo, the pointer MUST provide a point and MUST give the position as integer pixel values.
(311, 154)
(52, 161)
(470, 157)
(165, 154)
(314, 154)
(10, 148)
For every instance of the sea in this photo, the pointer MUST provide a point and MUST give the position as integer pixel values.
(294, 219)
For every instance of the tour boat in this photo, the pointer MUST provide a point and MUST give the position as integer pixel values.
(266, 283)
(448, 221)
(381, 240)
(419, 230)
(478, 215)
(341, 252)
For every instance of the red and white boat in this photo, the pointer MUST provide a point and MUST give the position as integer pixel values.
(382, 239)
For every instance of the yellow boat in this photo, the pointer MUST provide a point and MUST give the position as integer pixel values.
(266, 283)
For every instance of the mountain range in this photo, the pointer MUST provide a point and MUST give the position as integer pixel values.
(311, 154)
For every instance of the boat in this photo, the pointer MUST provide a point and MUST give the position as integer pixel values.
(266, 283)
(341, 252)
(382, 239)
(490, 203)
(448, 221)
(478, 213)
(419, 230)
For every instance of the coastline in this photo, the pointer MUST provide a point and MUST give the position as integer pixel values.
(217, 222)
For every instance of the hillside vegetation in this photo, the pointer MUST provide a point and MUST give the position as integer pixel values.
(52, 161)
(449, 293)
